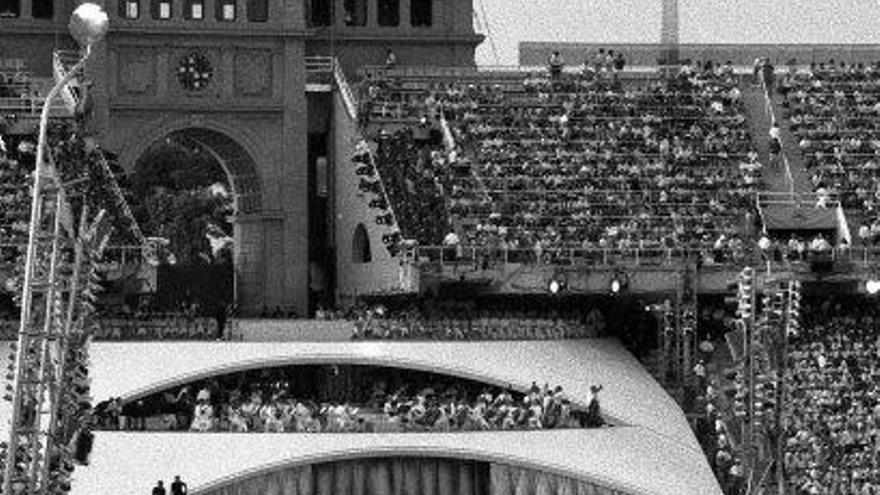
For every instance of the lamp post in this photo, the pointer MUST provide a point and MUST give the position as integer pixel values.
(88, 25)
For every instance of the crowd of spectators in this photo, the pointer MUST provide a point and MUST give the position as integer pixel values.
(832, 414)
(833, 109)
(16, 165)
(582, 162)
(463, 321)
(273, 402)
(714, 435)
(157, 326)
(416, 173)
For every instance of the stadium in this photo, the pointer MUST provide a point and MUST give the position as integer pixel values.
(375, 247)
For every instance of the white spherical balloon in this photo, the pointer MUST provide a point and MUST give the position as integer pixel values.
(89, 23)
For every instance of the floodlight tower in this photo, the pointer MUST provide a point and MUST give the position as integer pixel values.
(34, 371)
(669, 31)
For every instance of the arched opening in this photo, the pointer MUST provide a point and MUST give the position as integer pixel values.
(360, 245)
(188, 189)
(377, 475)
(367, 398)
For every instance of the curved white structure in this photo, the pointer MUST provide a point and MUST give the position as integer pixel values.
(651, 450)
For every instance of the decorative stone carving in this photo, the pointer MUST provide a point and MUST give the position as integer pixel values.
(253, 72)
(137, 70)
(194, 72)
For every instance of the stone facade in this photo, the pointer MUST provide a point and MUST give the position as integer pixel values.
(237, 84)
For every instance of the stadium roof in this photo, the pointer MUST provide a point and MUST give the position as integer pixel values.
(651, 427)
(701, 21)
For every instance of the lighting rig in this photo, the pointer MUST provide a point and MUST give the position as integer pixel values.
(759, 398)
(49, 389)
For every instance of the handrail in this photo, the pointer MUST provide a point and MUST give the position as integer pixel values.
(348, 97)
(801, 200)
(597, 256)
(319, 64)
(29, 105)
(502, 70)
(671, 190)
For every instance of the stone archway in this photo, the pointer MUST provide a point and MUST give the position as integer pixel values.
(242, 179)
(254, 231)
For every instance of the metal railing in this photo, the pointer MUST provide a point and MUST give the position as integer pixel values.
(31, 106)
(348, 97)
(797, 200)
(593, 256)
(319, 65)
(637, 257)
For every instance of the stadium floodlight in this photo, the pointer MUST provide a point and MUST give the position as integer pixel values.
(872, 286)
(88, 24)
(615, 286)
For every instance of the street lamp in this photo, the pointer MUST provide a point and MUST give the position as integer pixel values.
(88, 25)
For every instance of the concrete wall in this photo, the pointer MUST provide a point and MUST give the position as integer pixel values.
(383, 274)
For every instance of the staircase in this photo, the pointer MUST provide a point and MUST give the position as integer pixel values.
(800, 177)
(760, 118)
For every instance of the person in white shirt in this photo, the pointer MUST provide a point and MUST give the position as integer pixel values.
(203, 417)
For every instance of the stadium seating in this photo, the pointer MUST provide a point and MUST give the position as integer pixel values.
(833, 412)
(582, 163)
(157, 327)
(467, 322)
(833, 111)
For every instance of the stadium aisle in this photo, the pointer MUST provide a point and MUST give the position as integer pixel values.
(799, 174)
(774, 175)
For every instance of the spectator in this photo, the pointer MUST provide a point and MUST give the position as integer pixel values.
(178, 487)
(159, 489)
(390, 59)
(556, 64)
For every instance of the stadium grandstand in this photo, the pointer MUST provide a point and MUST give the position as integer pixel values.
(322, 247)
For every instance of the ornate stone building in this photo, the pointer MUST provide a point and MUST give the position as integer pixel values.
(231, 76)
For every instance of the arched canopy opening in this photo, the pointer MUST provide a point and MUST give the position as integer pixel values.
(349, 398)
(419, 472)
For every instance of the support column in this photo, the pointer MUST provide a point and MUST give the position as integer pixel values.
(372, 13)
(26, 10)
(292, 181)
(405, 14)
(669, 33)
(248, 259)
(338, 13)
(210, 11)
